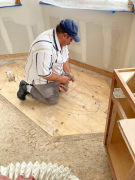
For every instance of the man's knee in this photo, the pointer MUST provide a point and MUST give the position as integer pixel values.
(53, 100)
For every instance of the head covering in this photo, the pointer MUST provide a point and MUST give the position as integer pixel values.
(70, 27)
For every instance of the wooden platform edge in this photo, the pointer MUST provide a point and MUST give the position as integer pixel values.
(9, 56)
(92, 68)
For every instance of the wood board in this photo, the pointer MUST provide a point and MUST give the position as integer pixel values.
(127, 75)
(81, 110)
(121, 159)
(120, 148)
(127, 128)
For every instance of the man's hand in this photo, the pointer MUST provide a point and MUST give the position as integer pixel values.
(67, 70)
(70, 75)
(65, 79)
(58, 78)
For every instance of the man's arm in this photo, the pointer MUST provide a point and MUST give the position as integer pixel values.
(66, 68)
(58, 78)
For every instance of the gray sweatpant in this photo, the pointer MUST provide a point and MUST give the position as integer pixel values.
(48, 93)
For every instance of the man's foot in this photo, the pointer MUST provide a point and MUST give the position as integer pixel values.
(22, 92)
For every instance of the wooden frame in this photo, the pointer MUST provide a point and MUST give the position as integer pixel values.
(121, 159)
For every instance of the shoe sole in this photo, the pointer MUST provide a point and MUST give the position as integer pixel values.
(18, 93)
(20, 97)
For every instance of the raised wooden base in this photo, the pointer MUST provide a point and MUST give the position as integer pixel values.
(81, 110)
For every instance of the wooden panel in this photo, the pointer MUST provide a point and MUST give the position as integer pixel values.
(110, 107)
(110, 164)
(127, 108)
(131, 84)
(112, 122)
(81, 110)
(116, 135)
(127, 75)
(121, 159)
(129, 95)
(119, 108)
(127, 128)
(125, 70)
(131, 175)
(92, 68)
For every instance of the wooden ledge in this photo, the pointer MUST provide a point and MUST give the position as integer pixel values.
(8, 56)
(92, 68)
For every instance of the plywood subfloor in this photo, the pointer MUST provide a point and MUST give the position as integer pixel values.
(81, 110)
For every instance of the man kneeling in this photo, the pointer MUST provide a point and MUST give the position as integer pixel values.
(47, 69)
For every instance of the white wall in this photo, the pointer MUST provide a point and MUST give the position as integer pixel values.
(106, 38)
(19, 26)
